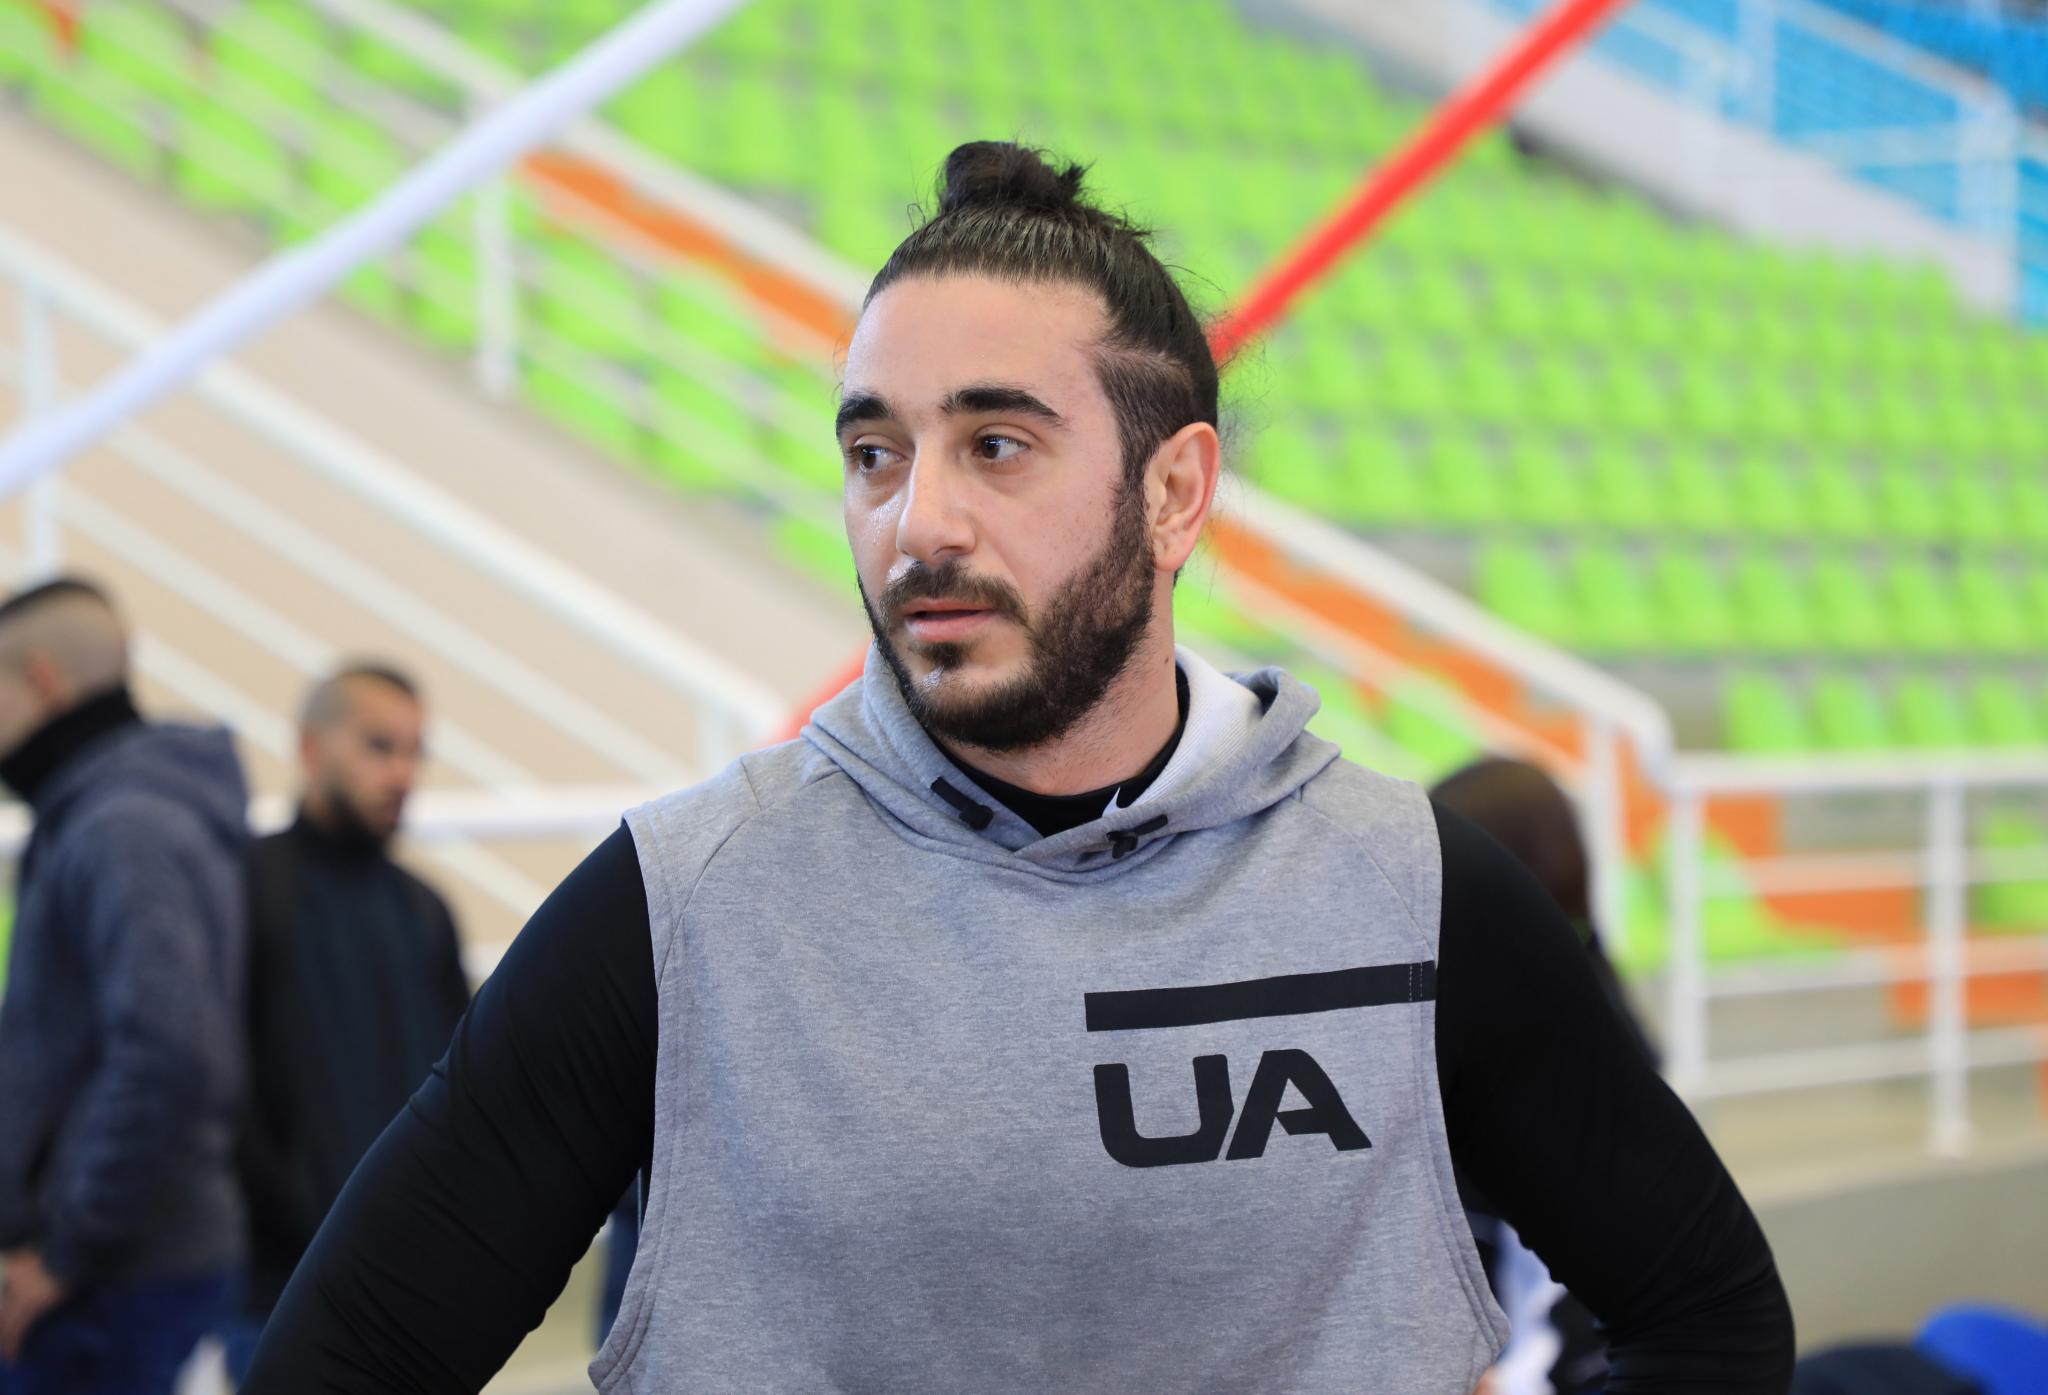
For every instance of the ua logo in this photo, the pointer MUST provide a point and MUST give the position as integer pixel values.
(1277, 1070)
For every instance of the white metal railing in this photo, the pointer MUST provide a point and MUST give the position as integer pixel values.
(738, 709)
(1963, 162)
(1944, 869)
(512, 267)
(1612, 715)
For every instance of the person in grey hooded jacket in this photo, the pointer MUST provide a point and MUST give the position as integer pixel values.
(121, 1067)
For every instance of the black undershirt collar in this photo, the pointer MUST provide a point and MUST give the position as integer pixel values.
(52, 745)
(1056, 813)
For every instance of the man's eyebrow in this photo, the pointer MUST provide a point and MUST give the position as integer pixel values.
(999, 397)
(861, 406)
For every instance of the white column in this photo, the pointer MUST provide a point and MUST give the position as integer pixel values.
(1685, 970)
(1948, 1044)
(497, 291)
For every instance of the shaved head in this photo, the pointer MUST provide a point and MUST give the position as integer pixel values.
(360, 741)
(61, 643)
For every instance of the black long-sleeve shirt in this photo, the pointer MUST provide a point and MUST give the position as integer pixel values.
(463, 1222)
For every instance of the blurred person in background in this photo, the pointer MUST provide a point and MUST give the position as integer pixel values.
(1055, 1013)
(121, 1066)
(356, 977)
(1554, 1346)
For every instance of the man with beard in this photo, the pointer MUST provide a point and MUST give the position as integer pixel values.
(355, 981)
(1055, 1014)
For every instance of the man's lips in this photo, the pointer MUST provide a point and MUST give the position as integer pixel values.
(943, 620)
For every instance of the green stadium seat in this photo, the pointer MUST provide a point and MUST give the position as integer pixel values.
(2014, 905)
(2028, 498)
(28, 47)
(1614, 607)
(1769, 500)
(1697, 495)
(1772, 606)
(1562, 396)
(101, 112)
(1693, 610)
(2002, 715)
(273, 52)
(1840, 500)
(230, 163)
(1853, 618)
(2019, 905)
(1543, 485)
(1991, 609)
(143, 47)
(705, 437)
(1927, 713)
(1979, 509)
(1923, 609)
(585, 397)
(1762, 716)
(1848, 715)
(1622, 491)
(1909, 507)
(1519, 583)
(1464, 485)
(585, 297)
(1380, 482)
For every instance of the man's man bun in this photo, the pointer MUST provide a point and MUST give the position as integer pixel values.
(1000, 172)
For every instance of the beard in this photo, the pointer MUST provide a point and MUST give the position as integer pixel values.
(1080, 644)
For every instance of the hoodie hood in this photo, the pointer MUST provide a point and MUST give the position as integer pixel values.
(1244, 749)
(195, 766)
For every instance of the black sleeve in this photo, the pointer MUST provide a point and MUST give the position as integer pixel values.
(1555, 1113)
(463, 1221)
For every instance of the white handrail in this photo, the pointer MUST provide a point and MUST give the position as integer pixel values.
(1903, 770)
(478, 540)
(276, 633)
(434, 817)
(294, 277)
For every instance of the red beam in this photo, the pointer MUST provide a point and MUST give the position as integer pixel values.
(1481, 102)
(1478, 104)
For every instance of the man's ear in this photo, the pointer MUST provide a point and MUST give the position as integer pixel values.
(1180, 485)
(47, 679)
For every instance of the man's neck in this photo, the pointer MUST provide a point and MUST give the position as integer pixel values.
(1136, 717)
(336, 828)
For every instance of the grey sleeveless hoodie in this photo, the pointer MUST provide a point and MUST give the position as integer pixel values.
(1149, 1105)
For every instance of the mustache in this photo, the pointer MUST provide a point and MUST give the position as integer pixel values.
(950, 581)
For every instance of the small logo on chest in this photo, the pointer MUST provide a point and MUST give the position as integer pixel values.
(1215, 1106)
(1277, 1070)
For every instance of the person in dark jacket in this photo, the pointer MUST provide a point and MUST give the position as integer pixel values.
(1556, 1347)
(121, 1063)
(356, 978)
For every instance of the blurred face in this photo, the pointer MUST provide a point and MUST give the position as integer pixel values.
(361, 767)
(1007, 568)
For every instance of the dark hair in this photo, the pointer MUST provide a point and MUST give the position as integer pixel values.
(1005, 211)
(1528, 815)
(57, 588)
(329, 698)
